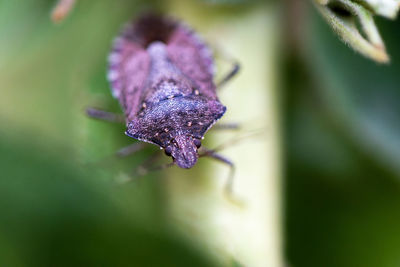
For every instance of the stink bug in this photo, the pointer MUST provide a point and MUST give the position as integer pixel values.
(162, 74)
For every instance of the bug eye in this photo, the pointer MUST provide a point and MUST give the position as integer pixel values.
(197, 143)
(168, 151)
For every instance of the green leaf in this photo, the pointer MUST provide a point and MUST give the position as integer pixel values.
(344, 16)
(384, 8)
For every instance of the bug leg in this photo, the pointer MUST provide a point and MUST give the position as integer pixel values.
(213, 154)
(121, 153)
(235, 66)
(227, 126)
(235, 69)
(129, 150)
(228, 190)
(105, 115)
(159, 167)
(149, 165)
(144, 168)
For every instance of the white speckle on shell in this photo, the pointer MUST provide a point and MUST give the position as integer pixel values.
(112, 75)
(114, 58)
(115, 93)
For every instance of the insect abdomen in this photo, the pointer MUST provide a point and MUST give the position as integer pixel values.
(130, 63)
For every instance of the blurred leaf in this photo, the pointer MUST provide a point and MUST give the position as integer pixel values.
(341, 15)
(53, 213)
(53, 210)
(343, 150)
(385, 8)
(361, 95)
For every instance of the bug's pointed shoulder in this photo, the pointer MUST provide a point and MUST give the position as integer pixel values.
(161, 122)
(199, 120)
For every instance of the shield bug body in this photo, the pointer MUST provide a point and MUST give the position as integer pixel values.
(162, 74)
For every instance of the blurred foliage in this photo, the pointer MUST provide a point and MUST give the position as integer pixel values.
(343, 151)
(59, 207)
(54, 214)
(354, 22)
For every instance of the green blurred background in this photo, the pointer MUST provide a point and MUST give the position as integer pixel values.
(60, 204)
(342, 135)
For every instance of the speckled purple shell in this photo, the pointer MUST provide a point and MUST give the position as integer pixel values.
(162, 74)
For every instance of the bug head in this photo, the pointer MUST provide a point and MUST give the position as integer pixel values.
(183, 150)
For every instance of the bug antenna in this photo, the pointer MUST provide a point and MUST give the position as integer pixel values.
(238, 139)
